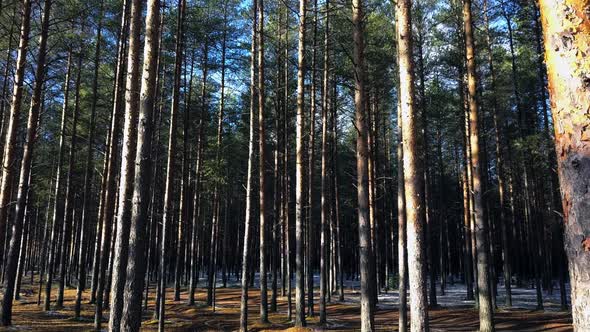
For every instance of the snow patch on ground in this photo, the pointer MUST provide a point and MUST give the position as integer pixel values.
(454, 297)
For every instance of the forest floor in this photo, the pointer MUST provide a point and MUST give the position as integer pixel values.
(342, 316)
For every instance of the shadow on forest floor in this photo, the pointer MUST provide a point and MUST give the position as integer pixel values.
(28, 316)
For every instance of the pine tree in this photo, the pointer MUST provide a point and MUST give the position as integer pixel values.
(311, 192)
(498, 131)
(325, 181)
(249, 178)
(262, 167)
(362, 155)
(170, 167)
(107, 205)
(67, 221)
(568, 89)
(413, 172)
(199, 164)
(27, 159)
(8, 159)
(6, 77)
(126, 177)
(299, 171)
(481, 234)
(136, 266)
(88, 172)
(58, 207)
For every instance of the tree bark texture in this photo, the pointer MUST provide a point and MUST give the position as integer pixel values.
(566, 32)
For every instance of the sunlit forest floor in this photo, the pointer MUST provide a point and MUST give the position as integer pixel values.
(342, 316)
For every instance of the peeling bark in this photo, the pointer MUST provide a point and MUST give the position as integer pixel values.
(566, 32)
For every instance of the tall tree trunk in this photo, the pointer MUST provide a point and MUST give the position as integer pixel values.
(126, 177)
(6, 76)
(249, 178)
(465, 184)
(58, 206)
(100, 213)
(336, 195)
(27, 158)
(34, 245)
(109, 267)
(402, 231)
(551, 157)
(481, 234)
(299, 170)
(44, 244)
(168, 214)
(262, 166)
(8, 160)
(429, 234)
(277, 240)
(27, 220)
(136, 265)
(362, 155)
(522, 131)
(566, 75)
(444, 227)
(198, 170)
(212, 266)
(109, 200)
(469, 208)
(286, 181)
(185, 205)
(107, 210)
(311, 195)
(325, 201)
(413, 172)
(68, 219)
(88, 173)
(498, 130)
(276, 204)
(371, 110)
(153, 249)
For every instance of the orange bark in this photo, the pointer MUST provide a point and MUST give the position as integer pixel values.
(566, 32)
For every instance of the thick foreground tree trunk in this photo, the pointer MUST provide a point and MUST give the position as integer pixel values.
(413, 173)
(110, 157)
(8, 166)
(127, 169)
(103, 244)
(25, 171)
(136, 265)
(566, 30)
